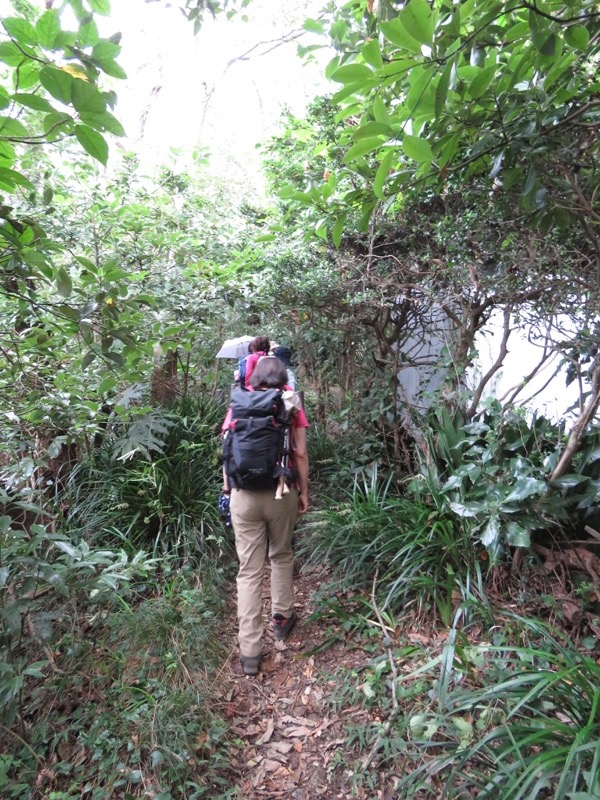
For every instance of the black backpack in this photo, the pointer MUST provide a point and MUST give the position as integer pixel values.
(253, 447)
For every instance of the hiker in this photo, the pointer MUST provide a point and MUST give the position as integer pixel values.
(257, 348)
(264, 514)
(285, 354)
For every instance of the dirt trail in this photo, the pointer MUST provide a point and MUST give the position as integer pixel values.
(291, 743)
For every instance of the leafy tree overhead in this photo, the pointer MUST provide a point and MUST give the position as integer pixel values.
(442, 90)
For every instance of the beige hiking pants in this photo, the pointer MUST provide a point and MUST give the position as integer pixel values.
(260, 521)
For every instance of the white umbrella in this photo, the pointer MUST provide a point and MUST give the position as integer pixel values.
(235, 348)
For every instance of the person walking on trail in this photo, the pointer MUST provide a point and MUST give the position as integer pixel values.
(257, 348)
(264, 518)
(285, 354)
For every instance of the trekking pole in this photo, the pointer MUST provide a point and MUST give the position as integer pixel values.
(282, 487)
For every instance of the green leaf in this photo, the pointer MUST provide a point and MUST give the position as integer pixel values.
(21, 30)
(338, 229)
(361, 148)
(569, 481)
(103, 122)
(32, 101)
(396, 33)
(480, 83)
(441, 89)
(47, 29)
(57, 123)
(12, 128)
(92, 142)
(380, 111)
(88, 35)
(491, 532)
(526, 487)
(86, 97)
(350, 73)
(11, 55)
(313, 26)
(106, 49)
(64, 284)
(106, 385)
(111, 68)
(417, 18)
(517, 535)
(100, 6)
(87, 359)
(372, 129)
(13, 178)
(382, 173)
(371, 52)
(577, 37)
(417, 149)
(58, 83)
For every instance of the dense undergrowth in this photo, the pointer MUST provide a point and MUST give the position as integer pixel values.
(114, 604)
(467, 698)
(110, 637)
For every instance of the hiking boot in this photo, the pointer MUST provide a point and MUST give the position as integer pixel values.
(282, 626)
(250, 664)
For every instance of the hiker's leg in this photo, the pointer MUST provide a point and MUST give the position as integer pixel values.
(281, 519)
(250, 530)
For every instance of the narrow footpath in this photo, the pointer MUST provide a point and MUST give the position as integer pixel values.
(291, 742)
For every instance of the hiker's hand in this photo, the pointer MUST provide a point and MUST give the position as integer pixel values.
(302, 502)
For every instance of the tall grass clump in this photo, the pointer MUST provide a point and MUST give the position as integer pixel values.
(153, 483)
(523, 723)
(412, 549)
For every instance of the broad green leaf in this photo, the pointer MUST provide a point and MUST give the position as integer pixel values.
(86, 97)
(417, 18)
(106, 385)
(526, 487)
(56, 123)
(491, 532)
(372, 129)
(100, 6)
(11, 55)
(350, 73)
(338, 230)
(64, 284)
(313, 26)
(382, 173)
(379, 110)
(362, 148)
(480, 83)
(577, 37)
(12, 128)
(395, 69)
(87, 359)
(92, 142)
(396, 33)
(441, 89)
(13, 178)
(417, 149)
(371, 53)
(5, 100)
(88, 35)
(106, 49)
(47, 29)
(467, 509)
(569, 481)
(103, 122)
(32, 101)
(111, 68)
(58, 83)
(8, 153)
(29, 75)
(517, 536)
(20, 30)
